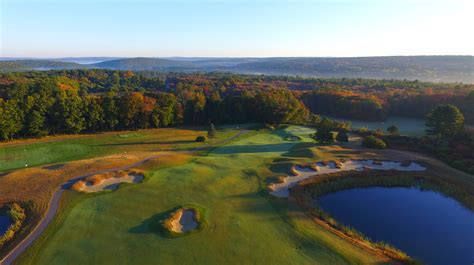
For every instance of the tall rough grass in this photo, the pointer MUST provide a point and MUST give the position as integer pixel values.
(18, 216)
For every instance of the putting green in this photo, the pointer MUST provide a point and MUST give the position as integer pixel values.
(245, 225)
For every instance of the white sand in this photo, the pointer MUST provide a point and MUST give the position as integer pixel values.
(184, 222)
(282, 189)
(112, 183)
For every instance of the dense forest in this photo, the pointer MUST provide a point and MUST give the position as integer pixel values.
(39, 103)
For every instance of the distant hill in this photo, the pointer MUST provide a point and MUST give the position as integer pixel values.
(424, 68)
(145, 64)
(42, 65)
(85, 60)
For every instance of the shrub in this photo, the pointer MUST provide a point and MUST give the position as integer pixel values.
(362, 130)
(374, 142)
(18, 216)
(323, 135)
(342, 137)
(200, 139)
(393, 130)
(270, 126)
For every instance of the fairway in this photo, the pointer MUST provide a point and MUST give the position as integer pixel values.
(246, 225)
(68, 148)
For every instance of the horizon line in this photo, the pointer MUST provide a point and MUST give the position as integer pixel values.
(227, 57)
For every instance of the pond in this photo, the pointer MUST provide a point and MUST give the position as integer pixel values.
(424, 224)
(407, 126)
(5, 222)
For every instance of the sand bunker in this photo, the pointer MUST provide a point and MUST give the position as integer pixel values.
(107, 181)
(184, 221)
(282, 189)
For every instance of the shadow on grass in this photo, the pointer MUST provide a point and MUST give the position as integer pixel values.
(54, 167)
(4, 174)
(153, 224)
(249, 149)
(301, 150)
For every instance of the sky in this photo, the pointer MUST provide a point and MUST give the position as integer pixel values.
(235, 28)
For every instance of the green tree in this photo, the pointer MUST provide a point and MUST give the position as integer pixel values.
(342, 137)
(67, 113)
(445, 121)
(110, 111)
(93, 113)
(393, 130)
(10, 119)
(324, 135)
(35, 123)
(373, 142)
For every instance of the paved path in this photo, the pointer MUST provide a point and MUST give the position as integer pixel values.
(54, 203)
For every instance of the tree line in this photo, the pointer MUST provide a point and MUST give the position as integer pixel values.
(59, 105)
(39, 103)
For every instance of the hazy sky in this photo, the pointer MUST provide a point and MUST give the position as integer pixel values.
(235, 28)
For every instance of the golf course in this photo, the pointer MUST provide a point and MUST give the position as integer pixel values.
(236, 132)
(242, 221)
(245, 225)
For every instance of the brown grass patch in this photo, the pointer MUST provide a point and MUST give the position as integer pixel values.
(169, 159)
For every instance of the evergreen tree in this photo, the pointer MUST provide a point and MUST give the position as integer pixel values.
(445, 121)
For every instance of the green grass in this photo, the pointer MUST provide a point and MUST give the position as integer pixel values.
(60, 149)
(246, 225)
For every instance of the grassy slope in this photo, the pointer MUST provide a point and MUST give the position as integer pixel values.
(246, 226)
(37, 184)
(68, 148)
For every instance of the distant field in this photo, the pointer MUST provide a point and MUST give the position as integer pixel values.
(246, 225)
(61, 149)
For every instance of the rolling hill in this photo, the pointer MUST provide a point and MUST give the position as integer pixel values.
(35, 64)
(424, 68)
